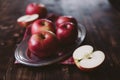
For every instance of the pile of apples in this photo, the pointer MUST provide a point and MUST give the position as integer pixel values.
(49, 32)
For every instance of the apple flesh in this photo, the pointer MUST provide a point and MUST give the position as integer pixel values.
(42, 25)
(67, 33)
(44, 44)
(26, 20)
(63, 19)
(86, 59)
(35, 8)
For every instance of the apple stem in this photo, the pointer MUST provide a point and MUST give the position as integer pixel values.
(43, 23)
(42, 36)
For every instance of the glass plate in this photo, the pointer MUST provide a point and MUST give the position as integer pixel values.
(23, 55)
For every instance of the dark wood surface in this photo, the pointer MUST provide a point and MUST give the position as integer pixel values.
(101, 21)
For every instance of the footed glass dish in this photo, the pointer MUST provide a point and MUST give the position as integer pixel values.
(24, 56)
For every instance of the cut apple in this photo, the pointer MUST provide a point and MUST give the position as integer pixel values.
(86, 59)
(26, 20)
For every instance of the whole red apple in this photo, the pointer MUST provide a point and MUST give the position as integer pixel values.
(41, 25)
(67, 33)
(43, 44)
(35, 8)
(63, 19)
(53, 17)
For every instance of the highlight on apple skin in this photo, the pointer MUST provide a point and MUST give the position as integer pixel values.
(44, 44)
(86, 59)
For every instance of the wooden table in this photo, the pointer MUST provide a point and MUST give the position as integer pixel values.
(101, 21)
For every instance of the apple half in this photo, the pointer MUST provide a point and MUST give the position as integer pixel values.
(86, 59)
(26, 20)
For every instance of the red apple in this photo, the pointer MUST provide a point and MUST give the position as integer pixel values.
(63, 19)
(86, 59)
(35, 8)
(26, 20)
(67, 33)
(53, 17)
(42, 24)
(43, 44)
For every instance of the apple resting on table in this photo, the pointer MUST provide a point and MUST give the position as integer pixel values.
(87, 60)
(35, 8)
(43, 44)
(42, 25)
(67, 33)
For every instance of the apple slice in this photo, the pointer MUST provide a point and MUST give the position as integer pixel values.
(25, 20)
(86, 59)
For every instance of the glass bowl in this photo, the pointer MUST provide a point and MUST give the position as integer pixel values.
(23, 55)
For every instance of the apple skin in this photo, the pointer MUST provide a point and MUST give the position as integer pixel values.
(35, 8)
(26, 20)
(67, 33)
(42, 25)
(63, 19)
(44, 44)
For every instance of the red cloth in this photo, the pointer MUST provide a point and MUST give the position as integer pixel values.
(68, 61)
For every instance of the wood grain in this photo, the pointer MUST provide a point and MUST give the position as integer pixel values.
(101, 21)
